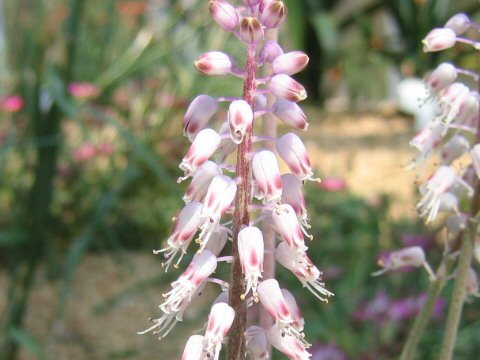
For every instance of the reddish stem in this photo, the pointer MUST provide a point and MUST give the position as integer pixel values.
(241, 216)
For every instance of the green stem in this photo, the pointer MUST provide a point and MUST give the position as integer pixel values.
(459, 292)
(423, 317)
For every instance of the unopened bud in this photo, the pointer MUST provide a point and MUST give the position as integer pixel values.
(284, 87)
(214, 63)
(290, 63)
(251, 30)
(273, 14)
(443, 75)
(271, 50)
(224, 14)
(199, 112)
(459, 23)
(290, 113)
(439, 39)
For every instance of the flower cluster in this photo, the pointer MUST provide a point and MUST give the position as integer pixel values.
(453, 136)
(220, 208)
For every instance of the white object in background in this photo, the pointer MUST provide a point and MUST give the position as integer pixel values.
(412, 99)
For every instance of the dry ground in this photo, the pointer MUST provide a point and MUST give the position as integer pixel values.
(367, 151)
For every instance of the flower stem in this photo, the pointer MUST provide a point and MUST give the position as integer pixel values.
(459, 292)
(241, 216)
(424, 315)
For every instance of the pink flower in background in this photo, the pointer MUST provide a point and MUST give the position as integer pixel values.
(84, 152)
(106, 148)
(333, 184)
(83, 90)
(328, 351)
(12, 104)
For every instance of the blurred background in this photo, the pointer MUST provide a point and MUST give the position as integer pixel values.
(92, 95)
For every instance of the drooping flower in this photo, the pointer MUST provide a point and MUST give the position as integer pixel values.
(267, 176)
(251, 250)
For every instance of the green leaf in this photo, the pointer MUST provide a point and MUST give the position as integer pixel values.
(26, 340)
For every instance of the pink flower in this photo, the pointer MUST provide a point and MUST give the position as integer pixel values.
(224, 14)
(412, 256)
(219, 322)
(285, 223)
(199, 112)
(288, 344)
(240, 119)
(439, 39)
(271, 50)
(290, 63)
(190, 283)
(332, 184)
(194, 349)
(12, 104)
(85, 152)
(284, 87)
(251, 30)
(205, 144)
(303, 268)
(293, 196)
(267, 175)
(459, 23)
(201, 181)
(184, 229)
(273, 14)
(292, 150)
(83, 90)
(214, 63)
(290, 113)
(441, 77)
(250, 245)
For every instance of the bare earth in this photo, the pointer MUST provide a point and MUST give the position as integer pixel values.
(107, 307)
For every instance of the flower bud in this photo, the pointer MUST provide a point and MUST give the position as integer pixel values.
(217, 242)
(271, 50)
(199, 112)
(468, 109)
(285, 223)
(251, 30)
(452, 101)
(459, 23)
(261, 102)
(290, 63)
(240, 118)
(291, 149)
(273, 14)
(284, 87)
(439, 39)
(214, 63)
(267, 175)
(290, 113)
(205, 144)
(201, 180)
(224, 14)
(443, 75)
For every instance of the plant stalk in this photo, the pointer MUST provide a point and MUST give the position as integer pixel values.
(241, 217)
(423, 317)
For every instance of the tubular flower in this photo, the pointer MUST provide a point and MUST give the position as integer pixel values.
(285, 223)
(185, 228)
(267, 175)
(288, 344)
(304, 269)
(199, 112)
(205, 144)
(250, 243)
(293, 152)
(256, 343)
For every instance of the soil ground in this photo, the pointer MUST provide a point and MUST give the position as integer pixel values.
(110, 299)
